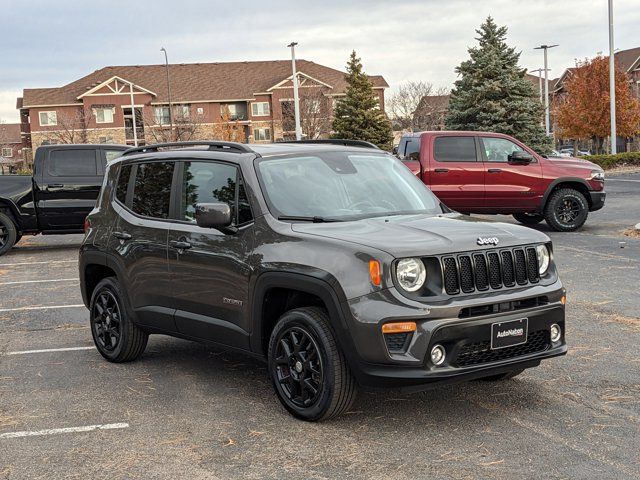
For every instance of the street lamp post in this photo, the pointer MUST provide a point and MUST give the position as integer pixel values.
(133, 116)
(547, 119)
(612, 82)
(296, 99)
(166, 63)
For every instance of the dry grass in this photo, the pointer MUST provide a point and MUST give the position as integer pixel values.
(632, 232)
(632, 323)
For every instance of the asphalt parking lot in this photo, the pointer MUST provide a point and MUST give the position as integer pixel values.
(188, 411)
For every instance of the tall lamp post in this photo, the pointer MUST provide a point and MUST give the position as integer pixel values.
(296, 99)
(166, 64)
(612, 82)
(547, 119)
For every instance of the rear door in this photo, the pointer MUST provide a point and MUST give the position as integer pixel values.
(69, 183)
(456, 173)
(509, 188)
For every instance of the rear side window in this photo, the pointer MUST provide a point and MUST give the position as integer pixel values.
(152, 189)
(412, 150)
(454, 149)
(73, 163)
(123, 183)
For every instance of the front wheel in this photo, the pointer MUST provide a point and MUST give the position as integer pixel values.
(8, 233)
(566, 210)
(307, 368)
(528, 218)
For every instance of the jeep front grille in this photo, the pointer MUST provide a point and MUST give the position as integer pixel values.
(482, 271)
(480, 352)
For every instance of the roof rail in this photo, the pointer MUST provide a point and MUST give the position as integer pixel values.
(337, 141)
(232, 147)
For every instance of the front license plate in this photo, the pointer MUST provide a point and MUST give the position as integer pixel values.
(508, 334)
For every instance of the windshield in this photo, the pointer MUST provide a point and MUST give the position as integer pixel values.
(342, 186)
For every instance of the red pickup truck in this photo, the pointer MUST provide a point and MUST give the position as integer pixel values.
(491, 173)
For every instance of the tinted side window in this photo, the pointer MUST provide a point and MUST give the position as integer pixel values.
(152, 189)
(244, 208)
(72, 163)
(123, 183)
(206, 182)
(499, 149)
(454, 149)
(412, 151)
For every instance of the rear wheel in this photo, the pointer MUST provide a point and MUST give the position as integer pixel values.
(307, 368)
(8, 233)
(566, 210)
(117, 338)
(528, 218)
(503, 376)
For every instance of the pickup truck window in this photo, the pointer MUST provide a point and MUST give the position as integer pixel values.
(499, 149)
(455, 149)
(111, 154)
(152, 189)
(73, 163)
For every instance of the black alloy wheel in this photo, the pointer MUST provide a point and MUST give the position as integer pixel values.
(298, 366)
(8, 233)
(566, 210)
(106, 321)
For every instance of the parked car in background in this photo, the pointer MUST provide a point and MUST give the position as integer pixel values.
(58, 196)
(492, 173)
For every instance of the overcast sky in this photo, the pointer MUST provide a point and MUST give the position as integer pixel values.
(48, 43)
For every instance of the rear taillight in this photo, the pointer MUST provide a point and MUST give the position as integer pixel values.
(87, 225)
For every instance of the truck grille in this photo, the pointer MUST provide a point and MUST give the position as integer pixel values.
(482, 271)
(480, 352)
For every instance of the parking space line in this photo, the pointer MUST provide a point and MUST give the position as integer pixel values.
(52, 307)
(37, 263)
(48, 350)
(41, 281)
(55, 431)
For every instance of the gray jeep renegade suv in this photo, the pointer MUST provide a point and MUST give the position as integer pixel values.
(331, 261)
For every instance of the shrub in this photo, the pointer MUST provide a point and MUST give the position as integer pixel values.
(627, 159)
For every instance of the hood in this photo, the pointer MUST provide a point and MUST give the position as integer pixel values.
(574, 162)
(416, 235)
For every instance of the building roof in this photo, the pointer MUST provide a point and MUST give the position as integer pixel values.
(628, 58)
(196, 81)
(10, 133)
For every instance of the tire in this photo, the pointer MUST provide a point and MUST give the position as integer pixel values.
(503, 376)
(303, 351)
(115, 335)
(528, 218)
(8, 233)
(566, 210)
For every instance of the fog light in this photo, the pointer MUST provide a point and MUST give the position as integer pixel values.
(556, 332)
(437, 355)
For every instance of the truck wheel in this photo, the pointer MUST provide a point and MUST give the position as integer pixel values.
(503, 376)
(8, 233)
(307, 368)
(528, 218)
(116, 337)
(566, 210)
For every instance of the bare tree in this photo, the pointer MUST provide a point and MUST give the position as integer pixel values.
(186, 126)
(407, 107)
(72, 127)
(315, 114)
(431, 111)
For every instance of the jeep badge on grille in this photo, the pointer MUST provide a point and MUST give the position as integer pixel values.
(488, 241)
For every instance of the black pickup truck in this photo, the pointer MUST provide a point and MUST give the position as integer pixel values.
(56, 199)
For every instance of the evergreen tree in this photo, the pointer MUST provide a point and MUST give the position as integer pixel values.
(492, 93)
(358, 116)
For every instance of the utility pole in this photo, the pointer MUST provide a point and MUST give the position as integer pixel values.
(166, 63)
(296, 99)
(539, 72)
(133, 116)
(547, 119)
(612, 82)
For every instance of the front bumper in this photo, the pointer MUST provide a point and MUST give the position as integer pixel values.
(597, 200)
(466, 340)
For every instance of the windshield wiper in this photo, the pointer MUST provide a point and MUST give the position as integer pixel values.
(314, 219)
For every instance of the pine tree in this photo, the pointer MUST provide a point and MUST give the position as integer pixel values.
(492, 93)
(358, 116)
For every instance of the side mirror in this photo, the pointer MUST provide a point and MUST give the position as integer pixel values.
(213, 215)
(520, 158)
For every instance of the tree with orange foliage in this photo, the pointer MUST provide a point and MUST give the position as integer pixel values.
(583, 113)
(228, 130)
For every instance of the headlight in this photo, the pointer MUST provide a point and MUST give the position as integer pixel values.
(597, 175)
(411, 274)
(543, 259)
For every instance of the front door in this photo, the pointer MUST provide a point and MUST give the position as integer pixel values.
(509, 187)
(210, 270)
(455, 173)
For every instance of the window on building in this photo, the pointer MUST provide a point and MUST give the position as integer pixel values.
(103, 115)
(181, 112)
(152, 189)
(200, 111)
(48, 118)
(261, 134)
(231, 110)
(161, 115)
(106, 139)
(7, 152)
(260, 109)
(72, 163)
(455, 149)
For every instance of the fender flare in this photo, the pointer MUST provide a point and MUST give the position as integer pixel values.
(8, 204)
(557, 182)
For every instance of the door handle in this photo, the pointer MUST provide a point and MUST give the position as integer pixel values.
(441, 170)
(494, 170)
(54, 186)
(180, 245)
(122, 235)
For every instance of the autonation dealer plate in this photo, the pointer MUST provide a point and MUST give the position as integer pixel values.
(508, 334)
